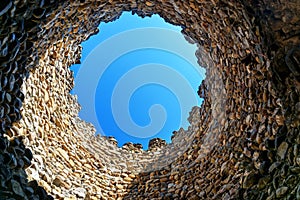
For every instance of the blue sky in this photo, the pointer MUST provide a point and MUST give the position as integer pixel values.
(138, 79)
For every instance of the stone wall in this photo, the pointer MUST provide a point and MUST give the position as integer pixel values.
(243, 143)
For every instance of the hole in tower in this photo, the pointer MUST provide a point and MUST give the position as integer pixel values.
(138, 79)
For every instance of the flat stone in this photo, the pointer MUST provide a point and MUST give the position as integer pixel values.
(5, 6)
(281, 152)
(63, 153)
(17, 189)
(263, 182)
(274, 166)
(280, 192)
(57, 181)
(81, 192)
(250, 180)
(119, 186)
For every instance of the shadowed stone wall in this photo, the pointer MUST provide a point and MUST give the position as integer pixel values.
(243, 143)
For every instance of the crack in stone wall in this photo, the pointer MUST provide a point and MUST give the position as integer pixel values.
(243, 143)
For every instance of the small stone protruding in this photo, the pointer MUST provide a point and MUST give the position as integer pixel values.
(112, 140)
(133, 147)
(156, 143)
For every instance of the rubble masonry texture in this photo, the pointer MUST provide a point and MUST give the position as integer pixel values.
(243, 143)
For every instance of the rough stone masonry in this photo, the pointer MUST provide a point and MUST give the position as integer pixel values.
(243, 143)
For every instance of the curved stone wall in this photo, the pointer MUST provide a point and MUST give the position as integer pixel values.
(243, 143)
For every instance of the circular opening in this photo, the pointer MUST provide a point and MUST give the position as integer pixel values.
(138, 79)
